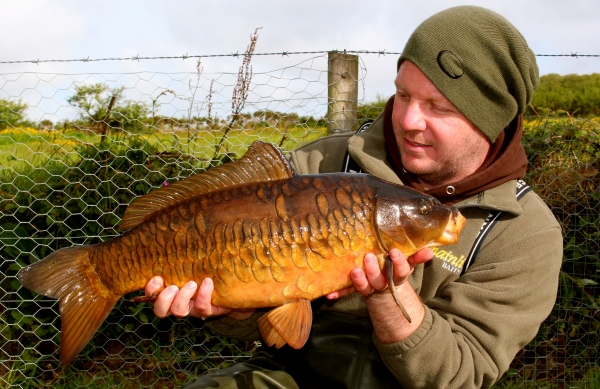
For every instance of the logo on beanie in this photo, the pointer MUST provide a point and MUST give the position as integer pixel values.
(450, 64)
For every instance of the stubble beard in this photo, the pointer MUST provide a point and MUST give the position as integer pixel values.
(450, 170)
(446, 169)
(436, 175)
(432, 174)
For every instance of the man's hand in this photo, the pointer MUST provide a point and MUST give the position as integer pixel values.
(372, 278)
(389, 323)
(189, 300)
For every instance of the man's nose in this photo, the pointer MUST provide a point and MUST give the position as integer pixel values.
(411, 117)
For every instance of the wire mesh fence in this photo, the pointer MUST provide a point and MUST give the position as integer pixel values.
(77, 148)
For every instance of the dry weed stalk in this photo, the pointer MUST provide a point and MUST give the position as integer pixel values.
(210, 104)
(240, 91)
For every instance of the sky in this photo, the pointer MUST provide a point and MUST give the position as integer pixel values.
(69, 29)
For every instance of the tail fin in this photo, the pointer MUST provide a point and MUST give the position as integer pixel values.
(67, 275)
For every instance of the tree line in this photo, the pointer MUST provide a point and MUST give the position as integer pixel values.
(573, 94)
(100, 107)
(578, 95)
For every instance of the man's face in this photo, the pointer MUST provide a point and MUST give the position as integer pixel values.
(436, 142)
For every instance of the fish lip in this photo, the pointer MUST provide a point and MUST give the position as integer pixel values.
(456, 222)
(459, 220)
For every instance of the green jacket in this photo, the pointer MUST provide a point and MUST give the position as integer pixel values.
(475, 323)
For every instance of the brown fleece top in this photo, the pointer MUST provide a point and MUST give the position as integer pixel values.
(506, 161)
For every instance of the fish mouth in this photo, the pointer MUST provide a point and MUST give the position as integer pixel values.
(456, 222)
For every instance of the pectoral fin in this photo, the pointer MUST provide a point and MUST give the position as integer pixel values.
(147, 299)
(289, 324)
(390, 279)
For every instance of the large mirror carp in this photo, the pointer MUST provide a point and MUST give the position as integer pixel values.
(267, 236)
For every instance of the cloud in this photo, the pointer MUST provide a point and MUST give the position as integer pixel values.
(38, 30)
(70, 29)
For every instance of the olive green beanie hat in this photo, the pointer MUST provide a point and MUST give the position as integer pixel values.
(479, 62)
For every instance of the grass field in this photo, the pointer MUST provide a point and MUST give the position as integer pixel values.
(20, 147)
(32, 147)
(45, 207)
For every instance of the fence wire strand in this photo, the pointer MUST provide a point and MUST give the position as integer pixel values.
(77, 148)
(238, 55)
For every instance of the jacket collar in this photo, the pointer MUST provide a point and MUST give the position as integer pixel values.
(500, 198)
(368, 150)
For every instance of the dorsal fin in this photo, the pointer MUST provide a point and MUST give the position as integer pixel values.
(262, 162)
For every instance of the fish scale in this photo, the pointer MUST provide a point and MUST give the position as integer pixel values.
(258, 239)
(266, 236)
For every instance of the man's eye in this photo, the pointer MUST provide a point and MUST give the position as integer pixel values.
(440, 109)
(403, 96)
(437, 108)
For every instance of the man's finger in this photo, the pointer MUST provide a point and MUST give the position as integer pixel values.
(155, 284)
(242, 313)
(202, 305)
(182, 304)
(162, 305)
(402, 268)
(340, 293)
(421, 256)
(360, 282)
(374, 275)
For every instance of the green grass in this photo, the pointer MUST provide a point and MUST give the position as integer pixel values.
(22, 147)
(75, 190)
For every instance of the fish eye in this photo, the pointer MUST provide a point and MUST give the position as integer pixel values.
(424, 207)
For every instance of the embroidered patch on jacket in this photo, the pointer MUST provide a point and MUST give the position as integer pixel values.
(451, 262)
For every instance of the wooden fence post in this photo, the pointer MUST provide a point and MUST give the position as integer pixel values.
(342, 92)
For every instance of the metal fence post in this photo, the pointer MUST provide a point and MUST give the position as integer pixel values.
(342, 92)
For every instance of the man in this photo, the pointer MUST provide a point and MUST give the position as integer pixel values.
(453, 130)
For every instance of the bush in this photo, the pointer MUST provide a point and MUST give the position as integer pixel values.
(12, 114)
(564, 156)
(371, 110)
(572, 93)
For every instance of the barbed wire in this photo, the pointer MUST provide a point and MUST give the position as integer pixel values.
(237, 54)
